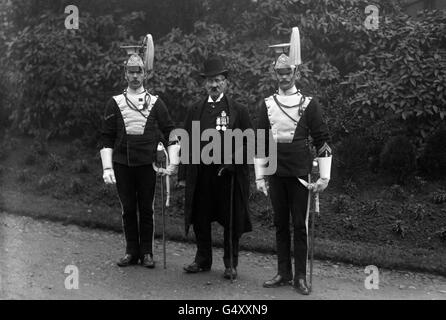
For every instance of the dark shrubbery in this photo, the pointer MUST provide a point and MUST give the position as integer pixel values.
(433, 160)
(30, 158)
(363, 78)
(352, 155)
(81, 166)
(398, 158)
(438, 197)
(75, 186)
(54, 162)
(46, 182)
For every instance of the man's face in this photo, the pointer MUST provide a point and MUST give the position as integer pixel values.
(135, 78)
(216, 85)
(286, 78)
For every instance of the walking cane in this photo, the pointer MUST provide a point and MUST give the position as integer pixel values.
(231, 262)
(164, 221)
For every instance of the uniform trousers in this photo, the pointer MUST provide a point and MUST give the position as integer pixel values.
(136, 189)
(290, 197)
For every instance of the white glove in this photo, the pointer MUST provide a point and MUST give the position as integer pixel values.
(262, 186)
(319, 185)
(107, 165)
(171, 169)
(109, 176)
(174, 153)
(160, 171)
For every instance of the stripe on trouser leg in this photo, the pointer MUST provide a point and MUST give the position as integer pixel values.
(122, 219)
(153, 218)
(306, 223)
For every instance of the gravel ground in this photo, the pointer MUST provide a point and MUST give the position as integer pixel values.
(34, 255)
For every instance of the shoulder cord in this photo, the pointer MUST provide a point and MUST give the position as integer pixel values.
(133, 107)
(302, 100)
(281, 106)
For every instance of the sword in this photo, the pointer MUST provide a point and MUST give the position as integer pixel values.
(161, 155)
(312, 216)
(231, 262)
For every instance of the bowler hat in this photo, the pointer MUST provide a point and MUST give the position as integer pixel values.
(213, 67)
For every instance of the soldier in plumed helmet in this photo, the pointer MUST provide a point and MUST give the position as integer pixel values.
(133, 124)
(292, 117)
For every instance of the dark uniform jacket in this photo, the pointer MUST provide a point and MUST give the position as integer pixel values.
(294, 157)
(238, 118)
(133, 135)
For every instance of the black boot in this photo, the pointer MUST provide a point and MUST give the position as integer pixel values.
(228, 271)
(195, 267)
(277, 281)
(127, 260)
(147, 261)
(301, 286)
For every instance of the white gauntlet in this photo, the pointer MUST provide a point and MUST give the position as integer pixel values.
(324, 173)
(174, 159)
(260, 169)
(107, 166)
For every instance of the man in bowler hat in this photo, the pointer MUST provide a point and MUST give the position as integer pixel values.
(208, 186)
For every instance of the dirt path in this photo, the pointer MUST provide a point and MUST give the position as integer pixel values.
(34, 255)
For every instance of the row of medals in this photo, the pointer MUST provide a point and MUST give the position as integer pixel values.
(222, 122)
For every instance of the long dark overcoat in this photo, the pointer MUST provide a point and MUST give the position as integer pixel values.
(238, 118)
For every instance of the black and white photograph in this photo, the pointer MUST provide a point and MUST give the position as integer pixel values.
(226, 158)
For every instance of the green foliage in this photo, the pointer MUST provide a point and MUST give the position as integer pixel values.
(441, 233)
(4, 79)
(400, 228)
(39, 146)
(371, 208)
(30, 158)
(352, 155)
(46, 182)
(181, 57)
(398, 158)
(433, 160)
(342, 204)
(66, 76)
(396, 192)
(107, 195)
(348, 223)
(416, 211)
(7, 144)
(74, 186)
(23, 175)
(372, 83)
(403, 75)
(438, 197)
(81, 166)
(54, 162)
